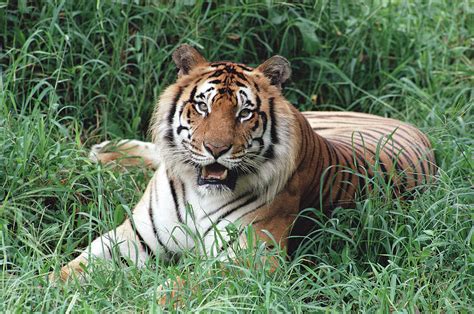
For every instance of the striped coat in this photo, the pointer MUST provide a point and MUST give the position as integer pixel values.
(229, 150)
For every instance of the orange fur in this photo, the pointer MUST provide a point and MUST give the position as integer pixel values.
(300, 160)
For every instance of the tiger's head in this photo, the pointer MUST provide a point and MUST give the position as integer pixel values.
(226, 126)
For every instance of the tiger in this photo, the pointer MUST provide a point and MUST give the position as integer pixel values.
(229, 149)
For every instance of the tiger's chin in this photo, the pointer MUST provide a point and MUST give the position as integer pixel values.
(217, 178)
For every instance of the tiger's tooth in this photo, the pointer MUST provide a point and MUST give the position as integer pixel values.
(204, 172)
(224, 175)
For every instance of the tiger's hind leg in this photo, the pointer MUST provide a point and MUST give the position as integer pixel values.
(126, 153)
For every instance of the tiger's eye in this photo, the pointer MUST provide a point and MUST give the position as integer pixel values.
(202, 107)
(245, 114)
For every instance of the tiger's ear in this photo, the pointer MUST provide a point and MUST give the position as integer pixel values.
(277, 69)
(186, 58)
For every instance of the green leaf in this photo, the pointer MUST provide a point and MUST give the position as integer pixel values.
(308, 33)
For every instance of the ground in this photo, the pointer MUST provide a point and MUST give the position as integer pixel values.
(75, 73)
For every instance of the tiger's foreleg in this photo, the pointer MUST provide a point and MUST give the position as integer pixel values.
(122, 240)
(132, 240)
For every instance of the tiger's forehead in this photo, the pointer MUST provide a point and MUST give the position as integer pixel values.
(231, 66)
(225, 80)
(228, 75)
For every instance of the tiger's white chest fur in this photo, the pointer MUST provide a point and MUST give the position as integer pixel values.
(173, 216)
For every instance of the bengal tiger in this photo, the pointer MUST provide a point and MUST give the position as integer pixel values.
(228, 148)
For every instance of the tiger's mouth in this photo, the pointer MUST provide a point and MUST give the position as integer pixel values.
(217, 174)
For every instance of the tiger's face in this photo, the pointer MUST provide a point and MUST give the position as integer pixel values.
(217, 124)
(221, 127)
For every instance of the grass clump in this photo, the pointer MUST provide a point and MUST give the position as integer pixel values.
(73, 74)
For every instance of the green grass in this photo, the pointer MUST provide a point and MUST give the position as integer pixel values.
(74, 73)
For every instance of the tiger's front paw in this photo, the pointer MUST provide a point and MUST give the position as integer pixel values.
(64, 275)
(74, 269)
(172, 291)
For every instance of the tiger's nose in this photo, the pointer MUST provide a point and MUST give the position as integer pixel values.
(216, 150)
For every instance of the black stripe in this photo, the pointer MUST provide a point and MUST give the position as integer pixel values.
(243, 67)
(308, 137)
(117, 249)
(351, 151)
(348, 116)
(394, 156)
(256, 87)
(108, 249)
(269, 153)
(183, 195)
(145, 246)
(226, 204)
(304, 145)
(229, 212)
(169, 135)
(224, 90)
(251, 211)
(193, 94)
(175, 200)
(239, 234)
(319, 170)
(218, 64)
(376, 143)
(363, 177)
(264, 118)
(273, 130)
(422, 157)
(330, 171)
(216, 73)
(259, 102)
(398, 132)
(403, 152)
(338, 122)
(256, 125)
(173, 109)
(259, 140)
(150, 212)
(368, 175)
(241, 76)
(125, 260)
(232, 241)
(182, 128)
(360, 164)
(345, 176)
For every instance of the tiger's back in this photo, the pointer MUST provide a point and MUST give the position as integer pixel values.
(369, 145)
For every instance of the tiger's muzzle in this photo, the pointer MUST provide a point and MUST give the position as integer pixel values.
(217, 175)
